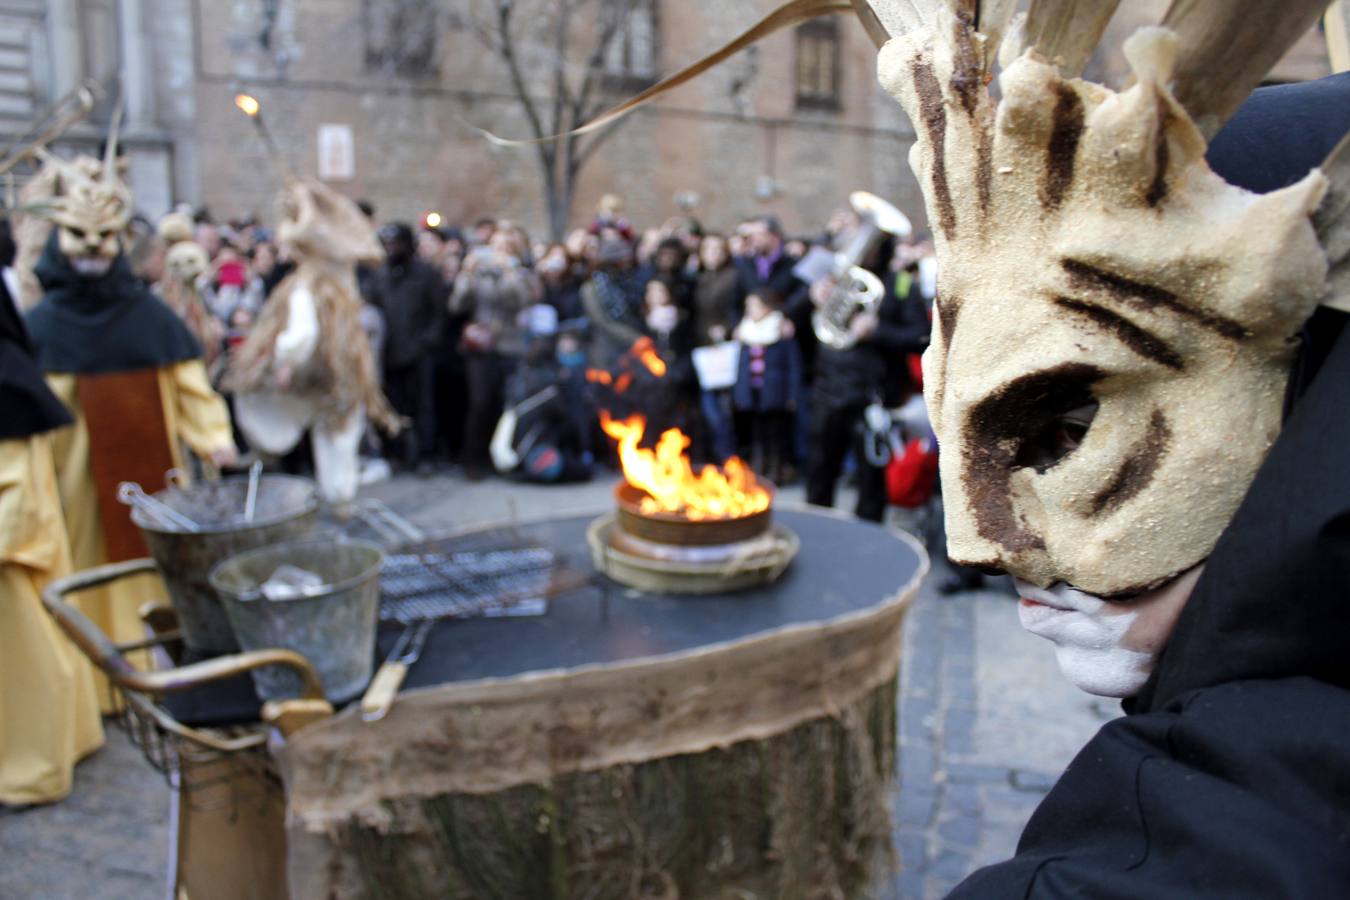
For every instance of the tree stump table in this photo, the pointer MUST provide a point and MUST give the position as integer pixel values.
(626, 744)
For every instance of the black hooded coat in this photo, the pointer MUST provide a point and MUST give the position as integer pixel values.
(1230, 774)
(27, 405)
(88, 326)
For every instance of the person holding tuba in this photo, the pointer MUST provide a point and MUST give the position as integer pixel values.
(865, 330)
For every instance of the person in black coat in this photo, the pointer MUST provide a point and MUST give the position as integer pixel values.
(413, 297)
(846, 381)
(1229, 775)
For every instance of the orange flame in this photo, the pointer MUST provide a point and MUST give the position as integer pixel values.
(645, 351)
(598, 376)
(667, 476)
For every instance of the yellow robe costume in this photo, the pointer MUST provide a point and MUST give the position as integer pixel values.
(195, 415)
(48, 706)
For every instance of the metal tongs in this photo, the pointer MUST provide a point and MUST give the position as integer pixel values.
(130, 494)
(384, 686)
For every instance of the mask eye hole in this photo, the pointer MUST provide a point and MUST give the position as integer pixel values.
(1055, 438)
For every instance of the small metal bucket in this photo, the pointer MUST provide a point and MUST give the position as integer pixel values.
(334, 628)
(286, 507)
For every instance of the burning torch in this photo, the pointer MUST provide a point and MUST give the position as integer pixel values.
(249, 106)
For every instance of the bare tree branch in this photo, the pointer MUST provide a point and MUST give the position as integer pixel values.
(541, 40)
(508, 54)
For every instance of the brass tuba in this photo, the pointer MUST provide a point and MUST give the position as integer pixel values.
(856, 289)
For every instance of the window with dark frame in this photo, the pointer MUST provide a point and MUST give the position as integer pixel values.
(631, 58)
(402, 37)
(818, 63)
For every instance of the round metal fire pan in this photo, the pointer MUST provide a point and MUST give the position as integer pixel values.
(698, 553)
(668, 528)
(761, 562)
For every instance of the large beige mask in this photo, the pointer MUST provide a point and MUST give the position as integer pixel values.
(1115, 324)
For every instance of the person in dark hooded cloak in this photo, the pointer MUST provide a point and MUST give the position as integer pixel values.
(1230, 774)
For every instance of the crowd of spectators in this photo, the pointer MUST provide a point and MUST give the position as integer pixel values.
(486, 338)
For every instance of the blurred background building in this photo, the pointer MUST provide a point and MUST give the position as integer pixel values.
(382, 98)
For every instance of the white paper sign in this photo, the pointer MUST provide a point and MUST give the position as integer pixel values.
(717, 365)
(337, 153)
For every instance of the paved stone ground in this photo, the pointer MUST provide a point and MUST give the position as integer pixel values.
(986, 725)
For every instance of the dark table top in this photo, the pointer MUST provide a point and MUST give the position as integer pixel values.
(844, 566)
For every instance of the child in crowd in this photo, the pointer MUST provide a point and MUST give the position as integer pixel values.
(767, 384)
(667, 325)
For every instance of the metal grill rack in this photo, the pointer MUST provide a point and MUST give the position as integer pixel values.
(493, 573)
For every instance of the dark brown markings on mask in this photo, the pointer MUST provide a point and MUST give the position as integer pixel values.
(949, 308)
(1137, 471)
(967, 66)
(1062, 150)
(1141, 341)
(984, 169)
(1084, 276)
(998, 426)
(933, 111)
(1162, 152)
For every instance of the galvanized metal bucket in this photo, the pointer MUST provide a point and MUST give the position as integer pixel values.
(333, 627)
(285, 507)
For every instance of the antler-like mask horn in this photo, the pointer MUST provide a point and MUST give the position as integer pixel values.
(1115, 324)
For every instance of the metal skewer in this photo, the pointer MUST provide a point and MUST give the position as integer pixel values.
(130, 493)
(251, 499)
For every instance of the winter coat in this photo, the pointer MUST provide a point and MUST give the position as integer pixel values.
(715, 299)
(782, 379)
(494, 299)
(412, 296)
(874, 368)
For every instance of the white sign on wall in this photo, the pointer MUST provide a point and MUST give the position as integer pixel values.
(337, 153)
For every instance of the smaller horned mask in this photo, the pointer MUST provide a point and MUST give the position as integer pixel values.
(1115, 324)
(185, 262)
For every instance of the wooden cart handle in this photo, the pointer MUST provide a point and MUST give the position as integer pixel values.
(94, 644)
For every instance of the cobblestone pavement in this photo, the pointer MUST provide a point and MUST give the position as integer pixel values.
(986, 725)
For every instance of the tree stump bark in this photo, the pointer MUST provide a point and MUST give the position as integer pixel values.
(798, 815)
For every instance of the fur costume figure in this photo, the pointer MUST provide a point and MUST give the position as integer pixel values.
(307, 364)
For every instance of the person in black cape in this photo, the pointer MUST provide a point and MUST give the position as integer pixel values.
(1230, 774)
